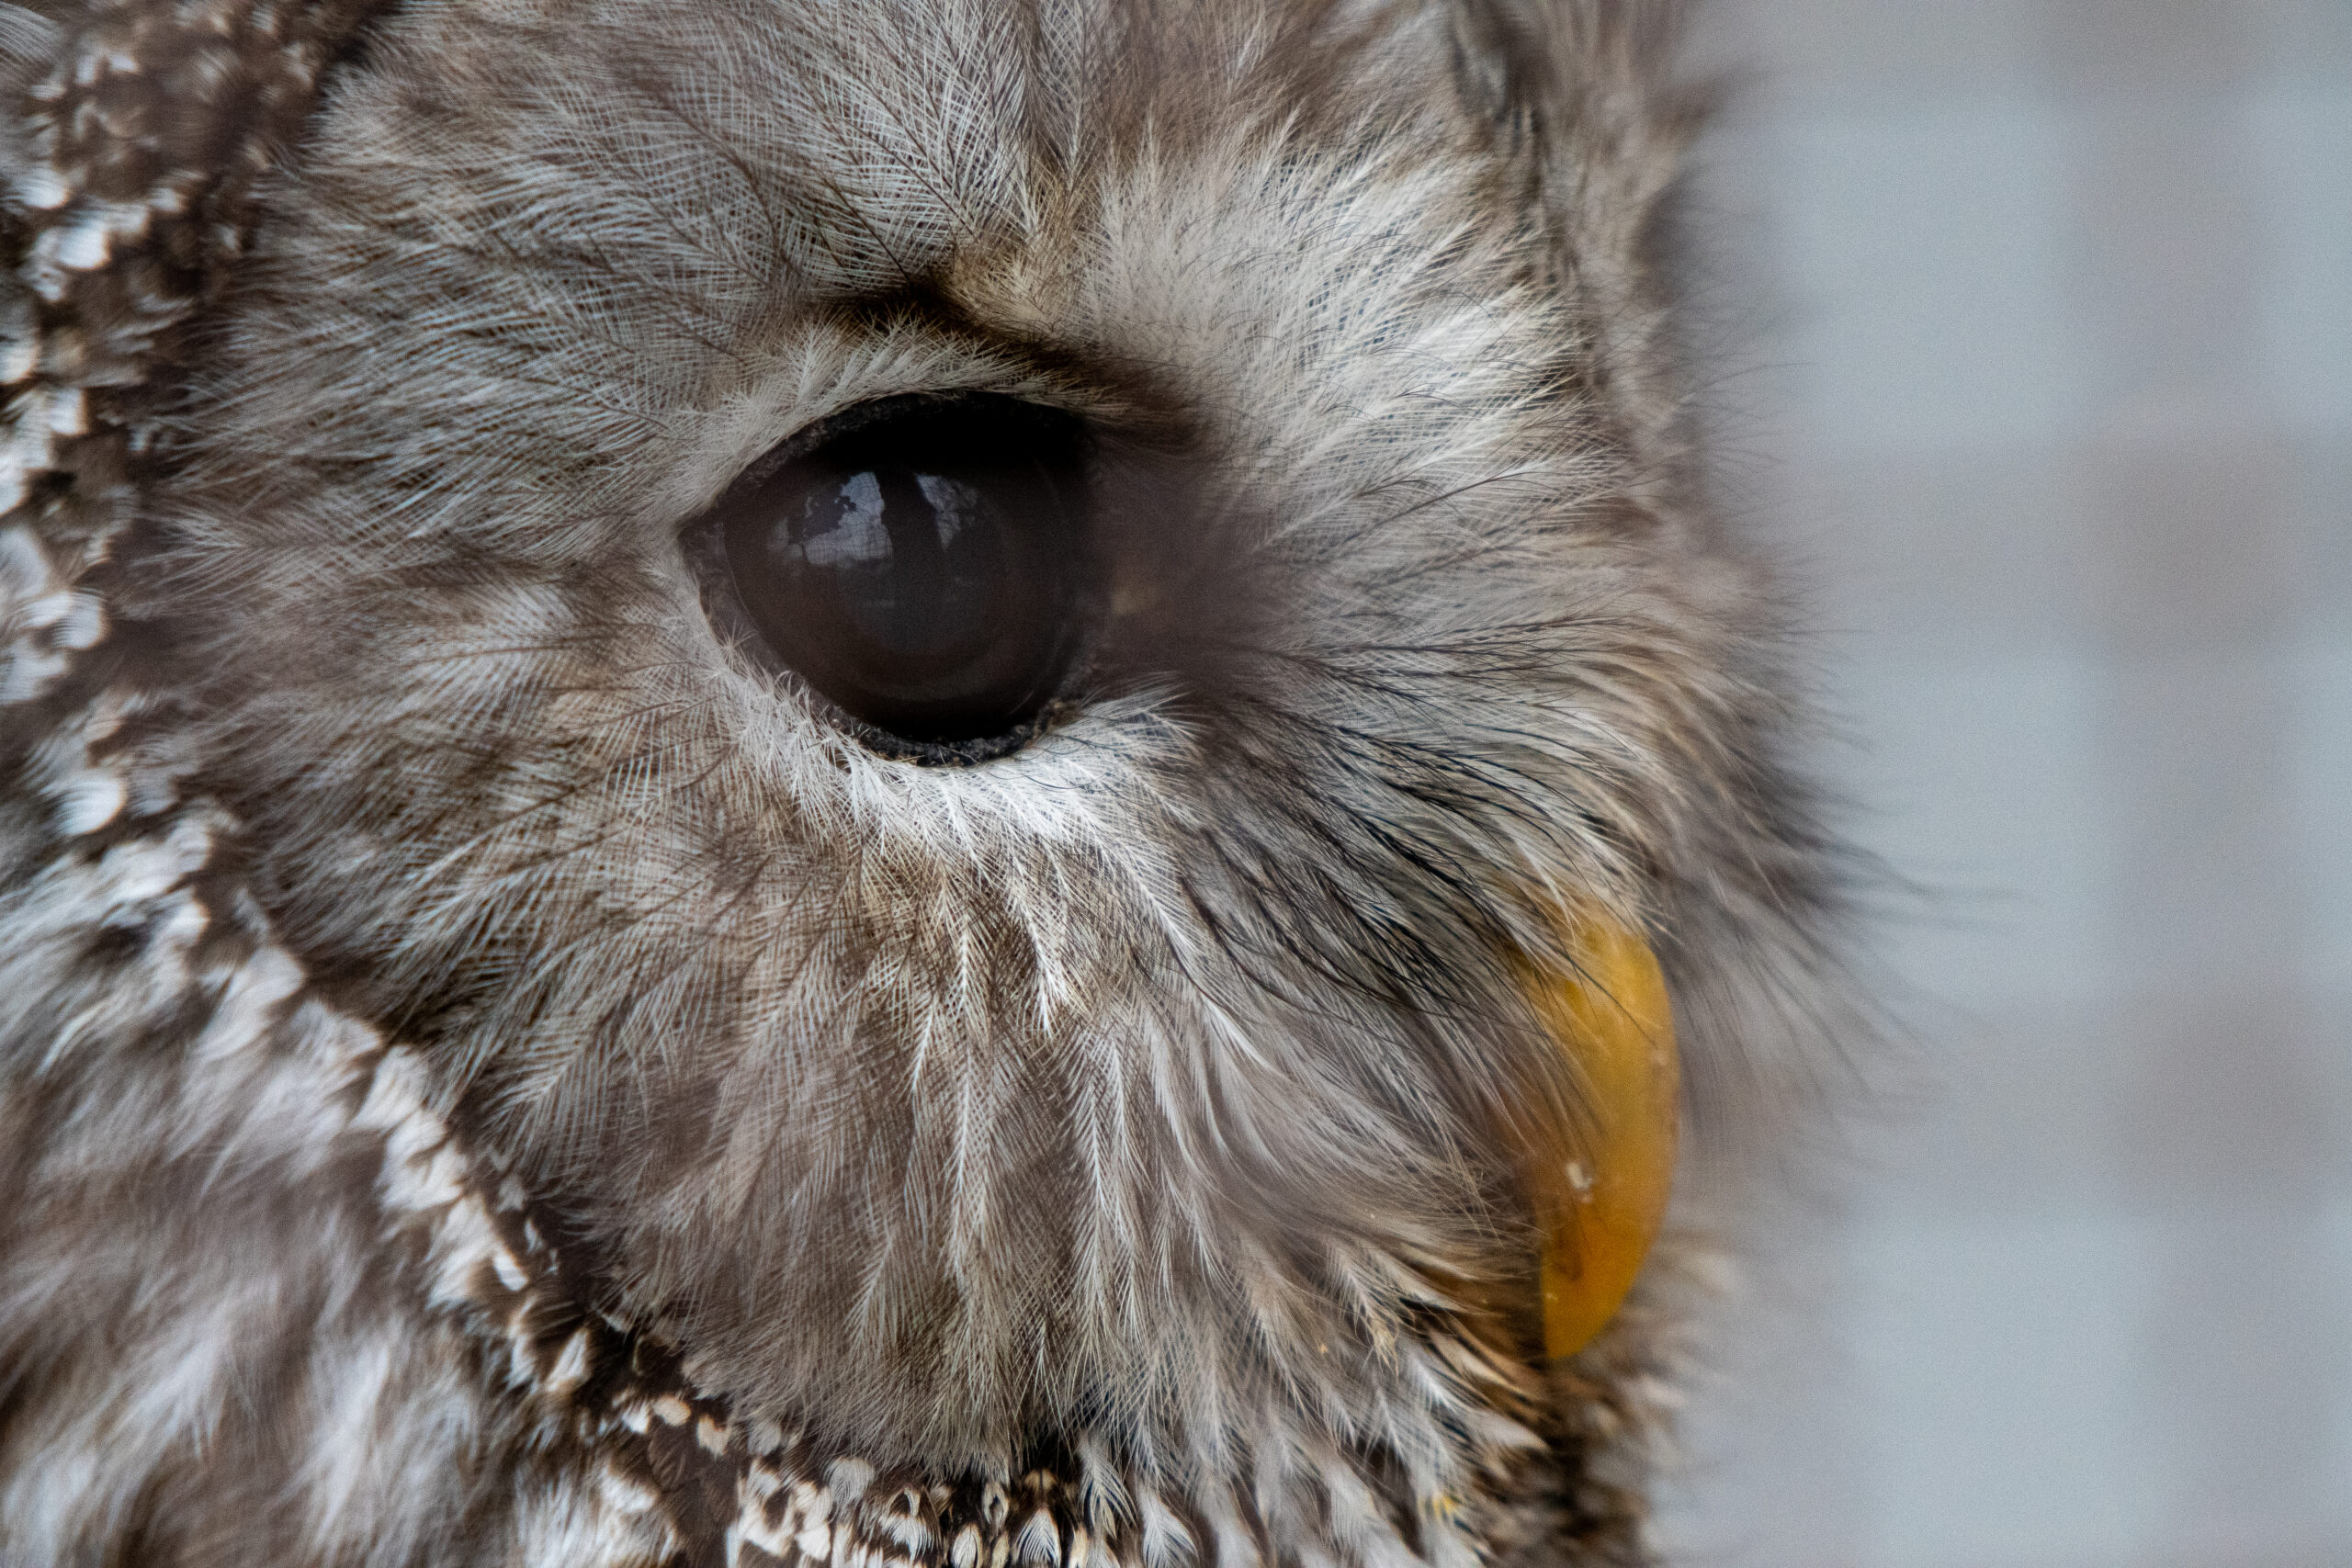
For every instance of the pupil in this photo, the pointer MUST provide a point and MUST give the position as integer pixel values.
(923, 570)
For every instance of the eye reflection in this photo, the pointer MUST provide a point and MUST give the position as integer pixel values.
(917, 562)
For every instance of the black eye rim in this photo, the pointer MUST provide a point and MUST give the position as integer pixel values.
(703, 539)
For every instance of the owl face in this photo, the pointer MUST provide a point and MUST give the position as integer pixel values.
(948, 660)
(951, 978)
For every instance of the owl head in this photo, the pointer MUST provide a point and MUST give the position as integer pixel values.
(1001, 694)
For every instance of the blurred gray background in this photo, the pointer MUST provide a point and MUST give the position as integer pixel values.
(2043, 318)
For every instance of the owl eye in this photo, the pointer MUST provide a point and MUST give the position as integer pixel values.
(920, 562)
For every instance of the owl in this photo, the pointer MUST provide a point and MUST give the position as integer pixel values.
(942, 783)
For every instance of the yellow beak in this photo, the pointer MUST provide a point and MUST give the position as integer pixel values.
(1601, 1196)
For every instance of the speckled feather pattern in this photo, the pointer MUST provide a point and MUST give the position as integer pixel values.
(489, 1074)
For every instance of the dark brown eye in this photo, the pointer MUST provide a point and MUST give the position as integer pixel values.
(920, 561)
